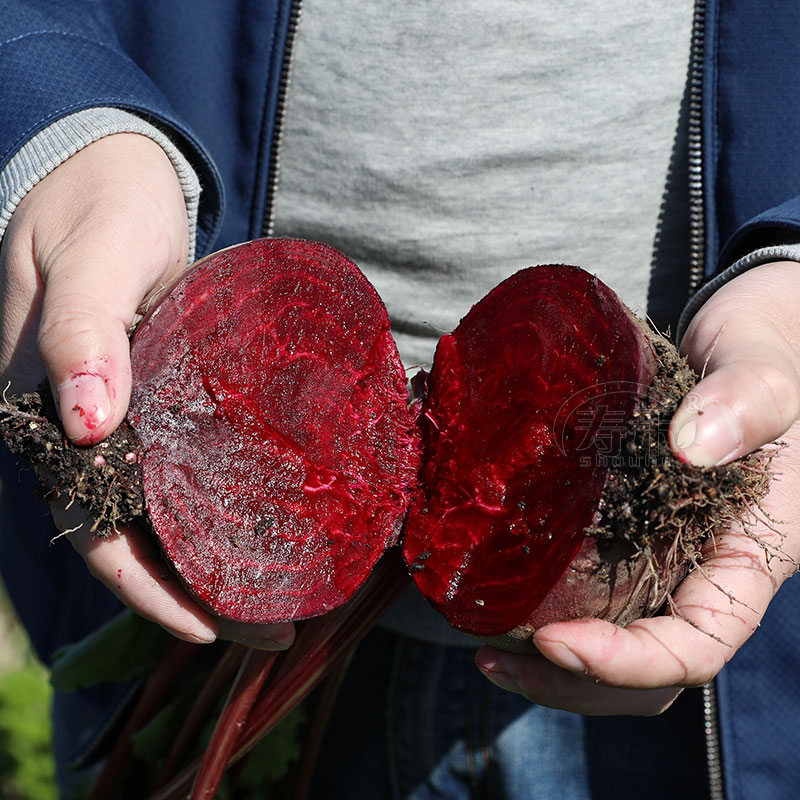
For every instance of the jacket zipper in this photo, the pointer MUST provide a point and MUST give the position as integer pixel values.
(273, 175)
(697, 223)
(716, 788)
(697, 257)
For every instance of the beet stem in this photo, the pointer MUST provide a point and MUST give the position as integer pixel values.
(157, 689)
(254, 669)
(320, 645)
(322, 642)
(219, 678)
(317, 726)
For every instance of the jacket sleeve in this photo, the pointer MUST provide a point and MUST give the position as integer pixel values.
(750, 150)
(57, 58)
(64, 137)
(771, 242)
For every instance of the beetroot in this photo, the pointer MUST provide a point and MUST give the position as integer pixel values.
(272, 412)
(270, 437)
(510, 480)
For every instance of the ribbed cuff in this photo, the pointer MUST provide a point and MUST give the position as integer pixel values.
(782, 252)
(55, 144)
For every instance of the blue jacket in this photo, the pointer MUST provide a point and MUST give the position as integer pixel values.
(209, 73)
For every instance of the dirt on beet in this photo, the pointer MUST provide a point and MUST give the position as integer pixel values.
(105, 479)
(650, 496)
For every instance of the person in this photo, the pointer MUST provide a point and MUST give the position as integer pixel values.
(115, 113)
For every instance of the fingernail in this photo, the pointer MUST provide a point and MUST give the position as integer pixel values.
(709, 436)
(200, 634)
(565, 658)
(501, 680)
(84, 405)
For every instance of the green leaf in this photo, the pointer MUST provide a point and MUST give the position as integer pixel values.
(26, 764)
(123, 648)
(151, 742)
(271, 758)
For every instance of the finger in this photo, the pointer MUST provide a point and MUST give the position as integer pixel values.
(130, 565)
(542, 682)
(716, 609)
(750, 394)
(20, 299)
(83, 340)
(125, 563)
(102, 231)
(740, 406)
(651, 654)
(98, 267)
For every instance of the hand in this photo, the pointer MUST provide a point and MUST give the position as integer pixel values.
(746, 339)
(84, 254)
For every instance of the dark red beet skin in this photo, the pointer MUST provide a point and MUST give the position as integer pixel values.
(524, 395)
(272, 409)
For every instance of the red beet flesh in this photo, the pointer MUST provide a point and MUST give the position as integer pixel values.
(280, 455)
(524, 399)
(272, 410)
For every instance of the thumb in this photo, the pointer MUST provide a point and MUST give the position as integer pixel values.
(84, 347)
(749, 397)
(93, 291)
(108, 230)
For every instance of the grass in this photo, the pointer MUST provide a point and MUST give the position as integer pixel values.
(26, 765)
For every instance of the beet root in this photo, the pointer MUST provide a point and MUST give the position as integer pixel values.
(271, 406)
(548, 490)
(270, 437)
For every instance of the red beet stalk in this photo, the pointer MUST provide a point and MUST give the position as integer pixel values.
(323, 708)
(253, 671)
(320, 645)
(220, 677)
(157, 689)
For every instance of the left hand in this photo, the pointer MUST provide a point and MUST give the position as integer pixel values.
(85, 253)
(746, 339)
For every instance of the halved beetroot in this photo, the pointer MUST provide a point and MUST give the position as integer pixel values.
(525, 409)
(280, 456)
(272, 410)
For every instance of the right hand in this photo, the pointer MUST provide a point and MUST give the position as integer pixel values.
(85, 252)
